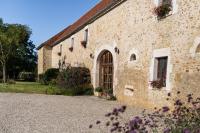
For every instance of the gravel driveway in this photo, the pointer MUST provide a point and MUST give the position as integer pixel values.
(30, 113)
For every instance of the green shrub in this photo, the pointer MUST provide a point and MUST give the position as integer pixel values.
(42, 79)
(73, 77)
(49, 76)
(27, 76)
(51, 73)
(99, 89)
(80, 91)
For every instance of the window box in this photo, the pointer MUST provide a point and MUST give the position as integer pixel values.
(59, 53)
(163, 10)
(157, 84)
(71, 49)
(83, 43)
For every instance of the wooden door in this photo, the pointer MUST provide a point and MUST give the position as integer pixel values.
(106, 70)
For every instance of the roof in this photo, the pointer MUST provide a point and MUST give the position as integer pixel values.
(100, 9)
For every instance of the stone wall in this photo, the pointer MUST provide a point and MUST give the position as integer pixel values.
(44, 59)
(132, 26)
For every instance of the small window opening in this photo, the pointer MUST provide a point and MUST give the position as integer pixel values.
(133, 57)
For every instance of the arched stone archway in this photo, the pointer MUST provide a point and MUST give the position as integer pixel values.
(96, 68)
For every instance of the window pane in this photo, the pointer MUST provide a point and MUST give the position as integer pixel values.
(167, 2)
(86, 35)
(162, 70)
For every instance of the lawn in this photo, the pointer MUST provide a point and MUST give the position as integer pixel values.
(37, 88)
(29, 87)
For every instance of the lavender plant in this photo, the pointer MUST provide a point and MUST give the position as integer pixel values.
(183, 118)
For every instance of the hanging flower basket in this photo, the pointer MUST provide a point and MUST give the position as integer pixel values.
(71, 49)
(157, 84)
(59, 53)
(83, 43)
(163, 10)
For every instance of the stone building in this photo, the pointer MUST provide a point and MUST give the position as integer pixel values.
(127, 44)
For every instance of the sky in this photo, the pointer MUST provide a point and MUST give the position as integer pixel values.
(45, 17)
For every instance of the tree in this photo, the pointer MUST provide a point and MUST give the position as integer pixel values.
(11, 37)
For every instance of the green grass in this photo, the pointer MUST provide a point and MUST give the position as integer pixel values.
(36, 88)
(29, 87)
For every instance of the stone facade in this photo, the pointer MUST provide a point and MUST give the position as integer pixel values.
(134, 29)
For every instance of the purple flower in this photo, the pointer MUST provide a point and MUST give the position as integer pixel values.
(178, 102)
(136, 121)
(132, 131)
(166, 130)
(166, 109)
(186, 130)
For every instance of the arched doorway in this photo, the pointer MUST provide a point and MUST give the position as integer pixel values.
(106, 70)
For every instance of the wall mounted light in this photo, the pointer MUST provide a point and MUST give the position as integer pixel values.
(91, 56)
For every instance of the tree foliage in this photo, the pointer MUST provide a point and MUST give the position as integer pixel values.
(17, 52)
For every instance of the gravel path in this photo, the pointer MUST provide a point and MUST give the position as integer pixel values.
(32, 113)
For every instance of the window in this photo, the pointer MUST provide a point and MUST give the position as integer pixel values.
(198, 49)
(72, 41)
(61, 49)
(133, 57)
(162, 70)
(86, 35)
(60, 52)
(165, 2)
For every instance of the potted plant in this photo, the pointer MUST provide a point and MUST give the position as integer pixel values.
(108, 94)
(99, 91)
(71, 49)
(163, 10)
(83, 43)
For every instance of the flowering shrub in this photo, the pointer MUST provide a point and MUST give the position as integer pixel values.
(183, 118)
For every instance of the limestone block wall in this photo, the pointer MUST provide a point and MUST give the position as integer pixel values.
(40, 61)
(133, 28)
(44, 59)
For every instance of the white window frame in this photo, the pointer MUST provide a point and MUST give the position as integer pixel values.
(174, 5)
(158, 53)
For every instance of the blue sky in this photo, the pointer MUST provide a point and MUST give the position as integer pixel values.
(44, 17)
